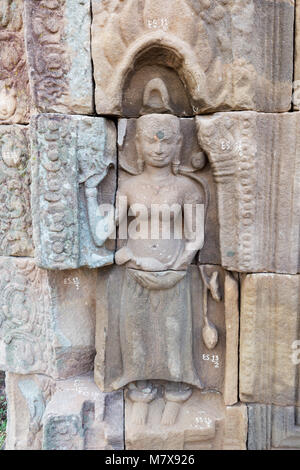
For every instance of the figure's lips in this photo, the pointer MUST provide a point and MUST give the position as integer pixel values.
(158, 159)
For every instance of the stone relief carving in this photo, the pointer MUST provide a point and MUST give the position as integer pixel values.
(58, 47)
(36, 333)
(72, 156)
(171, 317)
(242, 147)
(192, 168)
(25, 321)
(165, 317)
(273, 427)
(161, 180)
(63, 415)
(212, 54)
(15, 180)
(150, 351)
(95, 419)
(11, 15)
(180, 418)
(29, 393)
(14, 82)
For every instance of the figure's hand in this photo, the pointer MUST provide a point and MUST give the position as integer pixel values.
(94, 180)
(123, 255)
(150, 264)
(183, 261)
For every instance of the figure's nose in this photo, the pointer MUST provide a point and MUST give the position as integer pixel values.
(158, 149)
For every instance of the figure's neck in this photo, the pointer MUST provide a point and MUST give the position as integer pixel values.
(156, 173)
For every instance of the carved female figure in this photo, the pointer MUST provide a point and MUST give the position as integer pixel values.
(156, 330)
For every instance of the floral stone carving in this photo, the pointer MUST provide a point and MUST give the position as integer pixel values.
(58, 48)
(72, 155)
(15, 180)
(37, 333)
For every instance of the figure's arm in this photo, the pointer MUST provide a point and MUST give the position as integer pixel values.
(194, 215)
(123, 255)
(100, 225)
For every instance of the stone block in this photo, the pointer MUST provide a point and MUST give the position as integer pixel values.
(79, 416)
(212, 55)
(46, 319)
(14, 80)
(58, 48)
(255, 163)
(44, 414)
(71, 156)
(273, 427)
(15, 180)
(200, 422)
(269, 356)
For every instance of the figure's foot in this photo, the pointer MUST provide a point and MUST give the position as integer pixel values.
(170, 413)
(139, 413)
(175, 394)
(141, 395)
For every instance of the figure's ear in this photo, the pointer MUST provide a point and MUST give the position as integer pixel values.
(138, 145)
(176, 158)
(140, 161)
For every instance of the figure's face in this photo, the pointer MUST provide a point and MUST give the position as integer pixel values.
(158, 140)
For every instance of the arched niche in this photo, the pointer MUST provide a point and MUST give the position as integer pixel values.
(155, 83)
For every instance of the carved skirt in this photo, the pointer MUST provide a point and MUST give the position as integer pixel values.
(156, 328)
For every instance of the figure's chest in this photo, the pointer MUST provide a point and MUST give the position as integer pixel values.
(154, 194)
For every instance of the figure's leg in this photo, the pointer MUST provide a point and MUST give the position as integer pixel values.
(141, 394)
(176, 393)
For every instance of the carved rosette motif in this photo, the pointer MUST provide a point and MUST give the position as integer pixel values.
(26, 327)
(54, 193)
(67, 152)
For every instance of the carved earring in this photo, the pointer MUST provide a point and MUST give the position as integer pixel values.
(140, 165)
(175, 166)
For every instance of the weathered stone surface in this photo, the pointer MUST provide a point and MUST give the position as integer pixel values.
(27, 398)
(191, 174)
(58, 47)
(231, 301)
(192, 422)
(62, 415)
(273, 427)
(213, 55)
(269, 328)
(79, 416)
(168, 340)
(14, 81)
(255, 161)
(296, 94)
(15, 180)
(71, 156)
(46, 319)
